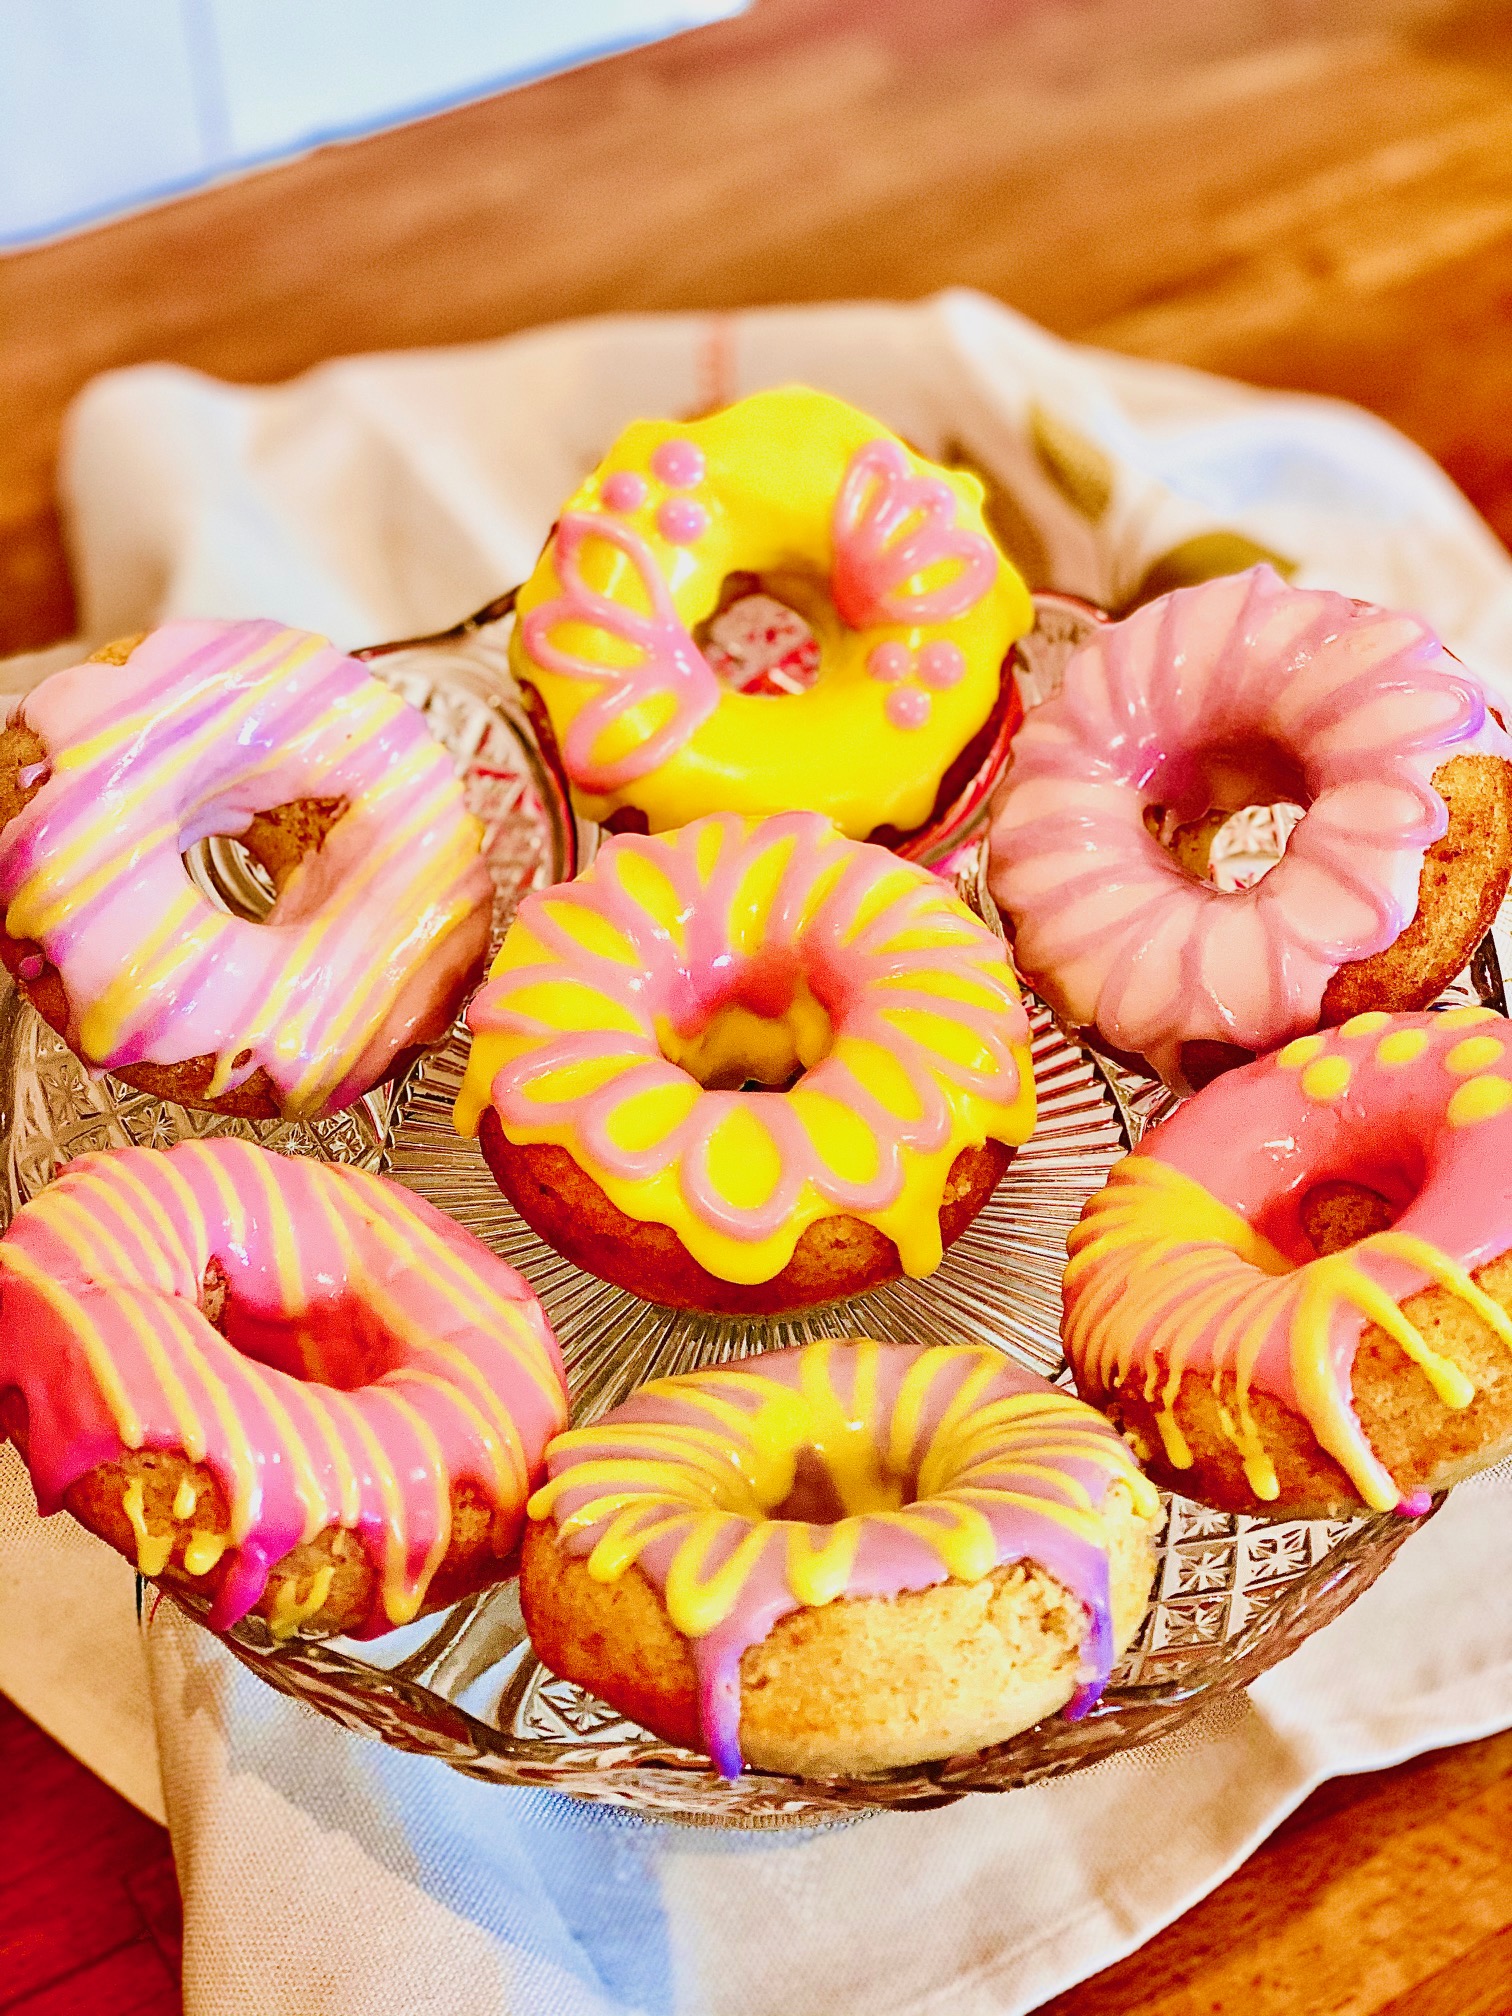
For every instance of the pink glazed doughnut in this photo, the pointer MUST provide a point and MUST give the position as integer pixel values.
(112, 770)
(1246, 691)
(287, 1385)
(1294, 1296)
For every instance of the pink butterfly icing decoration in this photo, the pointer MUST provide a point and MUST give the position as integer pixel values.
(889, 528)
(669, 662)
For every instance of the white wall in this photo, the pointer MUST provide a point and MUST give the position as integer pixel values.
(109, 104)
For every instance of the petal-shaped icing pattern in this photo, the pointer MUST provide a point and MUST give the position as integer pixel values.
(664, 664)
(1194, 1259)
(735, 950)
(859, 1469)
(1217, 696)
(373, 1353)
(871, 546)
(900, 555)
(205, 725)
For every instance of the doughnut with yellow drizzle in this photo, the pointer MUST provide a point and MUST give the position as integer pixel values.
(749, 1065)
(1296, 1295)
(114, 768)
(885, 556)
(289, 1385)
(841, 1557)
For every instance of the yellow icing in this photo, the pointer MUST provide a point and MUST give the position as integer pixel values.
(774, 465)
(152, 1549)
(1402, 1046)
(1300, 1052)
(1476, 1053)
(1366, 1024)
(202, 1551)
(184, 1500)
(1479, 1099)
(290, 1610)
(1326, 1077)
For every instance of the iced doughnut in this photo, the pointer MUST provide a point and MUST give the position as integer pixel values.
(840, 1558)
(885, 556)
(1242, 691)
(114, 768)
(285, 1384)
(1294, 1295)
(749, 1065)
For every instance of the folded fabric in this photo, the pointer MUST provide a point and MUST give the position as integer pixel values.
(383, 496)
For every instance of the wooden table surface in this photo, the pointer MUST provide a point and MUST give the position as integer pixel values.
(1311, 193)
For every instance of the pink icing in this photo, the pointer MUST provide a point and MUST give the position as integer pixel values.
(891, 528)
(678, 464)
(1260, 1140)
(906, 707)
(1236, 691)
(942, 665)
(889, 662)
(624, 491)
(374, 1352)
(682, 520)
(207, 723)
(1036, 1467)
(670, 662)
(852, 972)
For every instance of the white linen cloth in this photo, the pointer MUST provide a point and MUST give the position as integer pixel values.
(324, 1875)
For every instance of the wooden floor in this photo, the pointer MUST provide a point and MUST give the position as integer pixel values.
(89, 1908)
(1314, 193)
(1385, 1895)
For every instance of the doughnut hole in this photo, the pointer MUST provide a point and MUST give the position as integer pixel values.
(1464, 877)
(758, 638)
(1255, 798)
(337, 1341)
(761, 1030)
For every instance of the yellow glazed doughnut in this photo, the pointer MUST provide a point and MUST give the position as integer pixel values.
(843, 1557)
(884, 555)
(745, 1027)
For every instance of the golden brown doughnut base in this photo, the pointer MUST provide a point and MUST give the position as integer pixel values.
(482, 1551)
(862, 1684)
(1460, 890)
(1425, 1445)
(279, 839)
(834, 1257)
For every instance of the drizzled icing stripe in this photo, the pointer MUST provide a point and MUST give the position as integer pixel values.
(1236, 691)
(374, 1354)
(736, 950)
(1194, 1259)
(859, 1469)
(205, 725)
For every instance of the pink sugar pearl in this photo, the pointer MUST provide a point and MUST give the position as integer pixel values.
(678, 464)
(888, 662)
(907, 707)
(624, 490)
(682, 520)
(942, 665)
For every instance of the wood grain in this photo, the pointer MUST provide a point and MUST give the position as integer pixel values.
(1312, 193)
